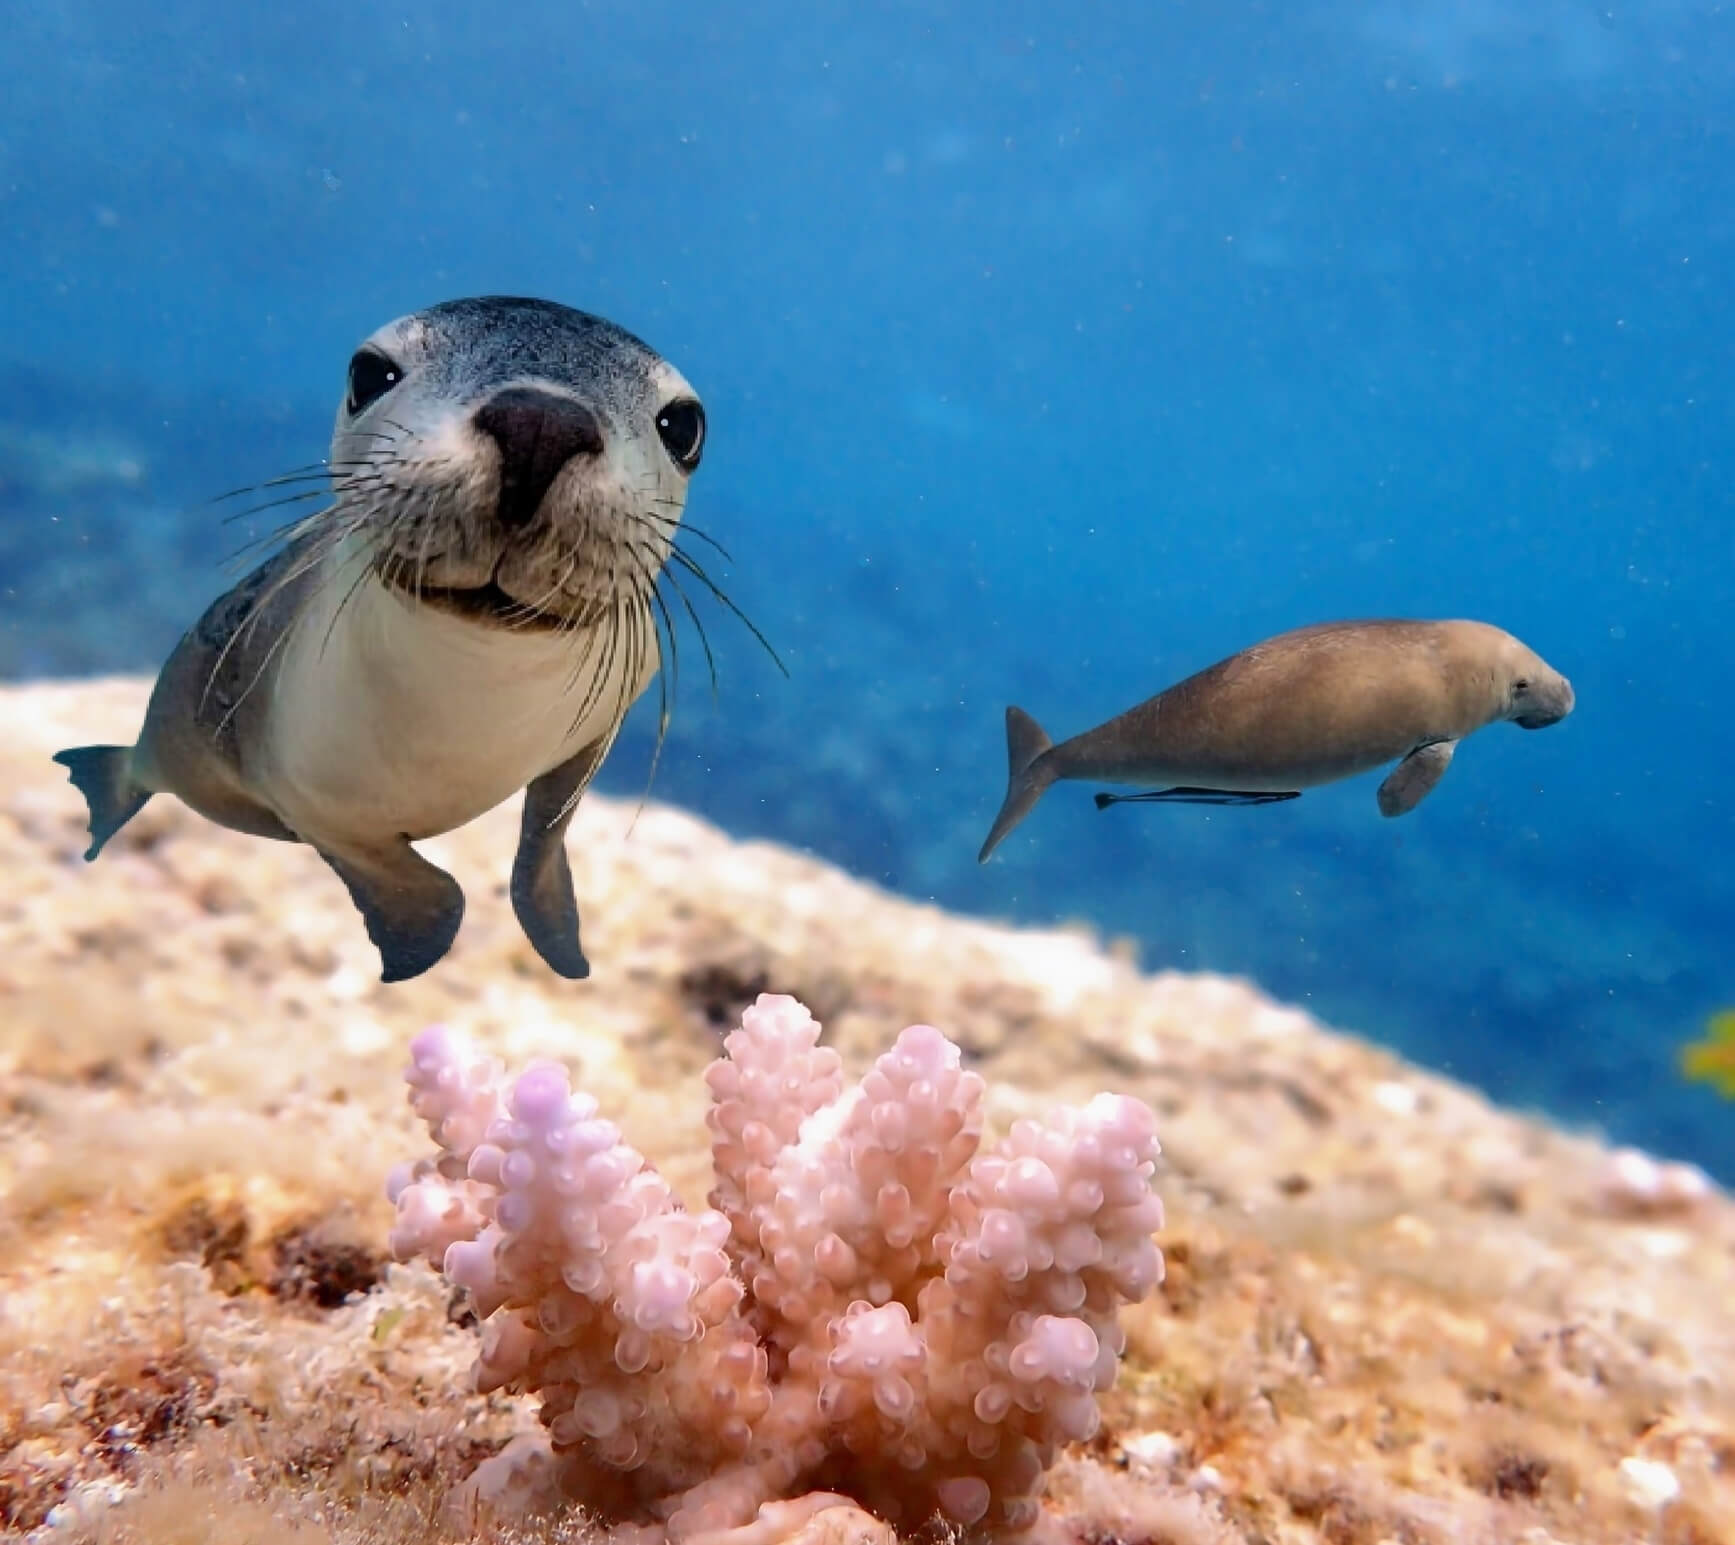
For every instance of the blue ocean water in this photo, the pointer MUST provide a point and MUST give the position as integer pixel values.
(1050, 354)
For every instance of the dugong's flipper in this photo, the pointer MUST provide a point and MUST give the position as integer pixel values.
(1413, 779)
(412, 908)
(541, 879)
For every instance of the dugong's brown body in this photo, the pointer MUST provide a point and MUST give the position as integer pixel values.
(1304, 708)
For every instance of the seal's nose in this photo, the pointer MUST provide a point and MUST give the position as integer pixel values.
(538, 433)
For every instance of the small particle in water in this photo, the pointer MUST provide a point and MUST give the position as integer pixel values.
(331, 180)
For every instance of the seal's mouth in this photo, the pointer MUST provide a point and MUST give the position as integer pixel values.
(475, 603)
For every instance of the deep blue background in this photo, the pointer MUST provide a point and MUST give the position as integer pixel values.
(1050, 353)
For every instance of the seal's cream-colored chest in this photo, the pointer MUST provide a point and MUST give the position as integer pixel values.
(388, 717)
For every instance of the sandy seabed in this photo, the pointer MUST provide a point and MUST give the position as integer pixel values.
(1393, 1311)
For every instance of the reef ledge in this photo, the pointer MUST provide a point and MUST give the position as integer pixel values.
(1392, 1310)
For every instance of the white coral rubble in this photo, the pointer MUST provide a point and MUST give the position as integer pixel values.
(872, 1306)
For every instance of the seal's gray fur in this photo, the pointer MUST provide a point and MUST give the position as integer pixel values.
(472, 615)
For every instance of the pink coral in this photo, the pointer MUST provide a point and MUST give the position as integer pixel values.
(872, 1305)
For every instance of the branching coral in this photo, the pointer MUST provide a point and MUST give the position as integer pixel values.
(872, 1305)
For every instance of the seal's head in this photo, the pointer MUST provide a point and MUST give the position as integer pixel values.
(1537, 695)
(514, 461)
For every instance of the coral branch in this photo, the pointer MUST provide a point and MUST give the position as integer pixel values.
(872, 1306)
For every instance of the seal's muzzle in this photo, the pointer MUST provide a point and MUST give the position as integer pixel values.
(538, 433)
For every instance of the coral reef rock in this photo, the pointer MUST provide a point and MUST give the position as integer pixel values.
(1388, 1309)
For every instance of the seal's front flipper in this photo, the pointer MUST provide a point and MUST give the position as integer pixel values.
(541, 880)
(104, 775)
(412, 908)
(1191, 796)
(1413, 779)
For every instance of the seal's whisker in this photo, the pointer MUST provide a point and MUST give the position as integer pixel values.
(580, 669)
(366, 570)
(419, 575)
(636, 618)
(290, 530)
(662, 725)
(669, 531)
(677, 526)
(616, 642)
(259, 675)
(342, 524)
(597, 679)
(524, 614)
(320, 492)
(413, 570)
(399, 431)
(287, 531)
(642, 580)
(281, 534)
(311, 472)
(687, 562)
(668, 665)
(316, 552)
(647, 569)
(698, 627)
(363, 572)
(322, 542)
(357, 476)
(557, 587)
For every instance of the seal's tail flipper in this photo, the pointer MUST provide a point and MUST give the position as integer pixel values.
(1027, 776)
(104, 775)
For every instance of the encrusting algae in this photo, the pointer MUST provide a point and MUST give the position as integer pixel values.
(1712, 1060)
(1390, 1311)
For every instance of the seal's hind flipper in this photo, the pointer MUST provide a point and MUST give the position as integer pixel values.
(541, 879)
(104, 775)
(1413, 779)
(1192, 796)
(412, 908)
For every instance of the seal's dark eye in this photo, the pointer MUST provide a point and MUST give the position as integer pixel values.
(371, 376)
(682, 427)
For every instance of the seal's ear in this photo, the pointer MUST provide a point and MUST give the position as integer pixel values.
(1413, 779)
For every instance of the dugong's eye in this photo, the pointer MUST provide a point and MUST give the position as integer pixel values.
(371, 376)
(681, 425)
(1522, 684)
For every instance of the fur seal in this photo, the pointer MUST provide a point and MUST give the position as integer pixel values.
(1304, 708)
(472, 614)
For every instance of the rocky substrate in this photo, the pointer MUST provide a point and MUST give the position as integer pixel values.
(1393, 1311)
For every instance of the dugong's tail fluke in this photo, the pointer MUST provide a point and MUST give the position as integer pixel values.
(1027, 775)
(103, 774)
